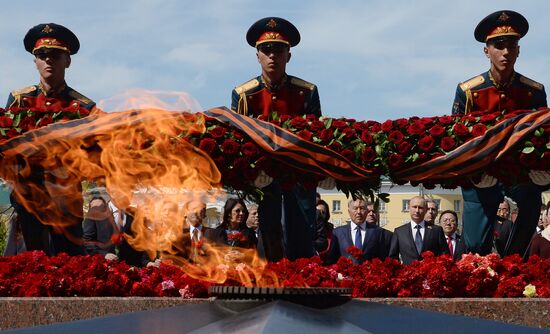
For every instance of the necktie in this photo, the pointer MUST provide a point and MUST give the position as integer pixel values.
(450, 243)
(195, 237)
(418, 239)
(358, 238)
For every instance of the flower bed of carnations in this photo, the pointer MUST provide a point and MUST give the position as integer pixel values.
(32, 274)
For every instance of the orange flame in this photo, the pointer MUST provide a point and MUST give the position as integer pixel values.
(146, 167)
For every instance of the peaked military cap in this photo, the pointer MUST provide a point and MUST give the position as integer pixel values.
(273, 30)
(501, 24)
(51, 36)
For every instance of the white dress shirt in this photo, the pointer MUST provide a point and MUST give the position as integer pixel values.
(422, 229)
(363, 232)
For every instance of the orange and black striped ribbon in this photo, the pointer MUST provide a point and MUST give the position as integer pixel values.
(290, 149)
(478, 153)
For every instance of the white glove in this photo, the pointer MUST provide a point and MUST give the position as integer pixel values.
(486, 181)
(327, 184)
(540, 177)
(156, 263)
(111, 257)
(263, 180)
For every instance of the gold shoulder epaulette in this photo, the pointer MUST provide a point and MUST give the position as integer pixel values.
(472, 83)
(302, 83)
(77, 96)
(23, 90)
(247, 86)
(531, 83)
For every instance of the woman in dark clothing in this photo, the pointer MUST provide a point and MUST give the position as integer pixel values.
(233, 230)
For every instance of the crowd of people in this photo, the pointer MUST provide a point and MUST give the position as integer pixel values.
(290, 222)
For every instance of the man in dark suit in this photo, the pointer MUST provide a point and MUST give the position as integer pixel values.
(362, 232)
(99, 227)
(413, 238)
(189, 246)
(449, 223)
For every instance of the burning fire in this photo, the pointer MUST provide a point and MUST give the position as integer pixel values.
(136, 151)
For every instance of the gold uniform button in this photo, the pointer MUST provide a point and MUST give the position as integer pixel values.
(529, 94)
(301, 92)
(475, 94)
(48, 103)
(502, 96)
(274, 97)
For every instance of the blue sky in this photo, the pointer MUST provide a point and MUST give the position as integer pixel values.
(370, 59)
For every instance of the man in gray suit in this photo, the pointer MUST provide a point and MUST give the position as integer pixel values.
(410, 240)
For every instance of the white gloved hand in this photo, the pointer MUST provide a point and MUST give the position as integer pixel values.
(540, 177)
(263, 180)
(486, 181)
(327, 184)
(156, 263)
(111, 257)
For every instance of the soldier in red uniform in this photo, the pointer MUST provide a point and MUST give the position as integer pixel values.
(52, 46)
(287, 217)
(499, 89)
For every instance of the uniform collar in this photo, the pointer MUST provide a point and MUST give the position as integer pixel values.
(274, 87)
(54, 93)
(501, 86)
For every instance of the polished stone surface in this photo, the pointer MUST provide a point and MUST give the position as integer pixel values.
(356, 316)
(29, 312)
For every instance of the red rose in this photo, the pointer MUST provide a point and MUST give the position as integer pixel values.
(284, 118)
(396, 137)
(335, 146)
(218, 132)
(415, 128)
(241, 163)
(326, 135)
(311, 117)
(348, 133)
(339, 124)
(46, 120)
(426, 143)
(12, 133)
(447, 143)
(83, 112)
(426, 121)
(404, 147)
(528, 160)
(250, 174)
(366, 137)
(437, 130)
(5, 122)
(298, 122)
(230, 147)
(305, 134)
(238, 135)
(27, 124)
(375, 127)
(208, 145)
(396, 160)
(316, 126)
(368, 154)
(402, 123)
(478, 130)
(117, 238)
(250, 149)
(360, 126)
(461, 130)
(488, 118)
(348, 154)
(275, 122)
(445, 120)
(387, 125)
(538, 141)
